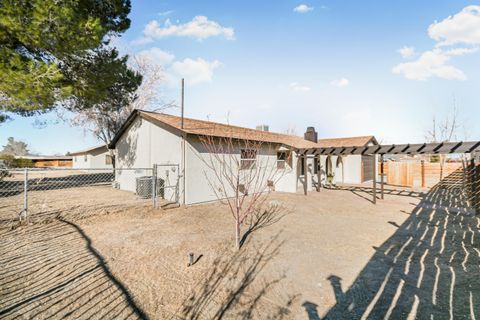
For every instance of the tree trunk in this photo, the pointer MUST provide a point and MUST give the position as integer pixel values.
(237, 216)
(237, 234)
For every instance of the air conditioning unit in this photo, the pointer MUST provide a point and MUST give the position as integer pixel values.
(144, 187)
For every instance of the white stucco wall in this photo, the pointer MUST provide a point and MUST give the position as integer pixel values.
(91, 160)
(199, 188)
(352, 169)
(81, 161)
(143, 145)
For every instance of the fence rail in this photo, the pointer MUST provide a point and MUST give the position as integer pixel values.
(39, 194)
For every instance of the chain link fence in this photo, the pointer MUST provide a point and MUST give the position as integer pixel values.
(40, 194)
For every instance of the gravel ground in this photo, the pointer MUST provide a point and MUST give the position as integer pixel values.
(331, 254)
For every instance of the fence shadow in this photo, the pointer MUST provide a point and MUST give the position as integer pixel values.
(53, 271)
(367, 192)
(428, 269)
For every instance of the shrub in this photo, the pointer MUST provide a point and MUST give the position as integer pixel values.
(11, 162)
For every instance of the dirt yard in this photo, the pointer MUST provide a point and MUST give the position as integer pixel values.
(330, 255)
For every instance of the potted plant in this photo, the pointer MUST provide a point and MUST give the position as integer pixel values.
(330, 178)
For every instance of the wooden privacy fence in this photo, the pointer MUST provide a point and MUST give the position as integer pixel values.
(421, 174)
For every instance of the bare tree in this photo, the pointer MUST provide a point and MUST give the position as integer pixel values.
(444, 130)
(242, 173)
(103, 121)
(291, 130)
(15, 148)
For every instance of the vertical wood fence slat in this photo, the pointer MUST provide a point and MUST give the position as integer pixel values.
(423, 173)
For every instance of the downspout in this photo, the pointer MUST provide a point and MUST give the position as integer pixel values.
(184, 138)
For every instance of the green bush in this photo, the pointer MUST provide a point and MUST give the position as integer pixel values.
(11, 162)
(434, 158)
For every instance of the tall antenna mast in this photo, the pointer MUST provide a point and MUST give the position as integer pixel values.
(183, 97)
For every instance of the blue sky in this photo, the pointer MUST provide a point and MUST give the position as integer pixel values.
(345, 67)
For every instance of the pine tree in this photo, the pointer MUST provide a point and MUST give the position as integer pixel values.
(52, 51)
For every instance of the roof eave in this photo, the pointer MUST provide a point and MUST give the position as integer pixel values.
(123, 128)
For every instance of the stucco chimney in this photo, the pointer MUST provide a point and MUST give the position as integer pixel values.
(311, 134)
(262, 127)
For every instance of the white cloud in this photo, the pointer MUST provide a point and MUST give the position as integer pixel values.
(343, 82)
(199, 28)
(303, 8)
(431, 63)
(158, 56)
(195, 71)
(463, 27)
(295, 86)
(407, 52)
(461, 51)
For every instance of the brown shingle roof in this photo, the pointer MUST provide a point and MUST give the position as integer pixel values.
(208, 128)
(346, 142)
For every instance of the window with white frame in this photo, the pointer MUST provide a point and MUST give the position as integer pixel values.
(247, 158)
(283, 158)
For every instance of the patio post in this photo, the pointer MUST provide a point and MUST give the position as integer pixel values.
(319, 173)
(305, 174)
(381, 176)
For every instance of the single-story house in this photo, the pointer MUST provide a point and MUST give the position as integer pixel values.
(149, 138)
(48, 161)
(98, 157)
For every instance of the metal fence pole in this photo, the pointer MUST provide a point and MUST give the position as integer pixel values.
(25, 195)
(154, 186)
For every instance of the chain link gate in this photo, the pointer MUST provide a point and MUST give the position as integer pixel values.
(166, 185)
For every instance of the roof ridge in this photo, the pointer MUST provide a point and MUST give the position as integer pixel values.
(226, 125)
(348, 137)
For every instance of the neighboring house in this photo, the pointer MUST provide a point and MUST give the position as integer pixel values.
(352, 169)
(149, 138)
(48, 161)
(97, 157)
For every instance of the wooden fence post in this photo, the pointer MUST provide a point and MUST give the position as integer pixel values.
(422, 172)
(382, 172)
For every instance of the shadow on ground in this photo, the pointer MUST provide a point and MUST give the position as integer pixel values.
(428, 269)
(233, 288)
(53, 271)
